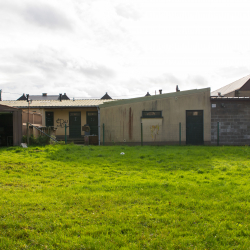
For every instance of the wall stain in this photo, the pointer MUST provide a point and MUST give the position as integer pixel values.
(154, 105)
(123, 119)
(130, 124)
(123, 130)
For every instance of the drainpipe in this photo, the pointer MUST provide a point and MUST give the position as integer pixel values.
(99, 132)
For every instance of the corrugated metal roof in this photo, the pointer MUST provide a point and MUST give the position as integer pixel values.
(153, 97)
(56, 103)
(231, 87)
(6, 107)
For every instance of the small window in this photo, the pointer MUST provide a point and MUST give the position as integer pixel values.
(92, 113)
(151, 114)
(195, 113)
(75, 114)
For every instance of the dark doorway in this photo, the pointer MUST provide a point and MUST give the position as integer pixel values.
(194, 127)
(6, 129)
(92, 121)
(49, 119)
(74, 124)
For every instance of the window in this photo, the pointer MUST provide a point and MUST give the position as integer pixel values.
(195, 113)
(75, 114)
(151, 114)
(92, 113)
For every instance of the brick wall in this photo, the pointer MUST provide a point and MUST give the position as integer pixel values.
(233, 116)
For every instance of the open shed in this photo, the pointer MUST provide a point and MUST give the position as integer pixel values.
(10, 126)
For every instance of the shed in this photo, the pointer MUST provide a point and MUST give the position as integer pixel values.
(182, 117)
(55, 113)
(10, 126)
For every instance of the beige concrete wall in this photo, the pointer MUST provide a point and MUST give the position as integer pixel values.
(152, 129)
(123, 122)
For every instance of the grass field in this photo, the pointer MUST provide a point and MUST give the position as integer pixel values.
(90, 197)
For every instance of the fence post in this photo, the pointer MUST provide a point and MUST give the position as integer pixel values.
(28, 134)
(141, 134)
(103, 133)
(180, 133)
(65, 133)
(218, 133)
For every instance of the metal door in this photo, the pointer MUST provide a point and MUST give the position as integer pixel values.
(92, 121)
(194, 127)
(49, 119)
(74, 124)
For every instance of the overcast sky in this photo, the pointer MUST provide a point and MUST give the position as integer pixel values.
(127, 48)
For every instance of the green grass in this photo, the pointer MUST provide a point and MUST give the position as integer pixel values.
(74, 197)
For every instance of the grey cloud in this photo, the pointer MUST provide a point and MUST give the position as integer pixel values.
(197, 80)
(46, 16)
(127, 11)
(12, 6)
(234, 72)
(99, 71)
(13, 69)
(51, 63)
(46, 62)
(165, 79)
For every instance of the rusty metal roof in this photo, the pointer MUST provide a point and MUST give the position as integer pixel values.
(57, 103)
(232, 86)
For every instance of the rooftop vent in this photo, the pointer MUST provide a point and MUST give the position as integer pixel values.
(106, 96)
(160, 91)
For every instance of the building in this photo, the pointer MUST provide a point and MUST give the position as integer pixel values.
(72, 113)
(230, 109)
(230, 120)
(182, 117)
(239, 88)
(43, 97)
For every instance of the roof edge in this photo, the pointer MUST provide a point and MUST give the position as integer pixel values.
(153, 97)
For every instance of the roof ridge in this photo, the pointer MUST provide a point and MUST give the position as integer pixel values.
(227, 86)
